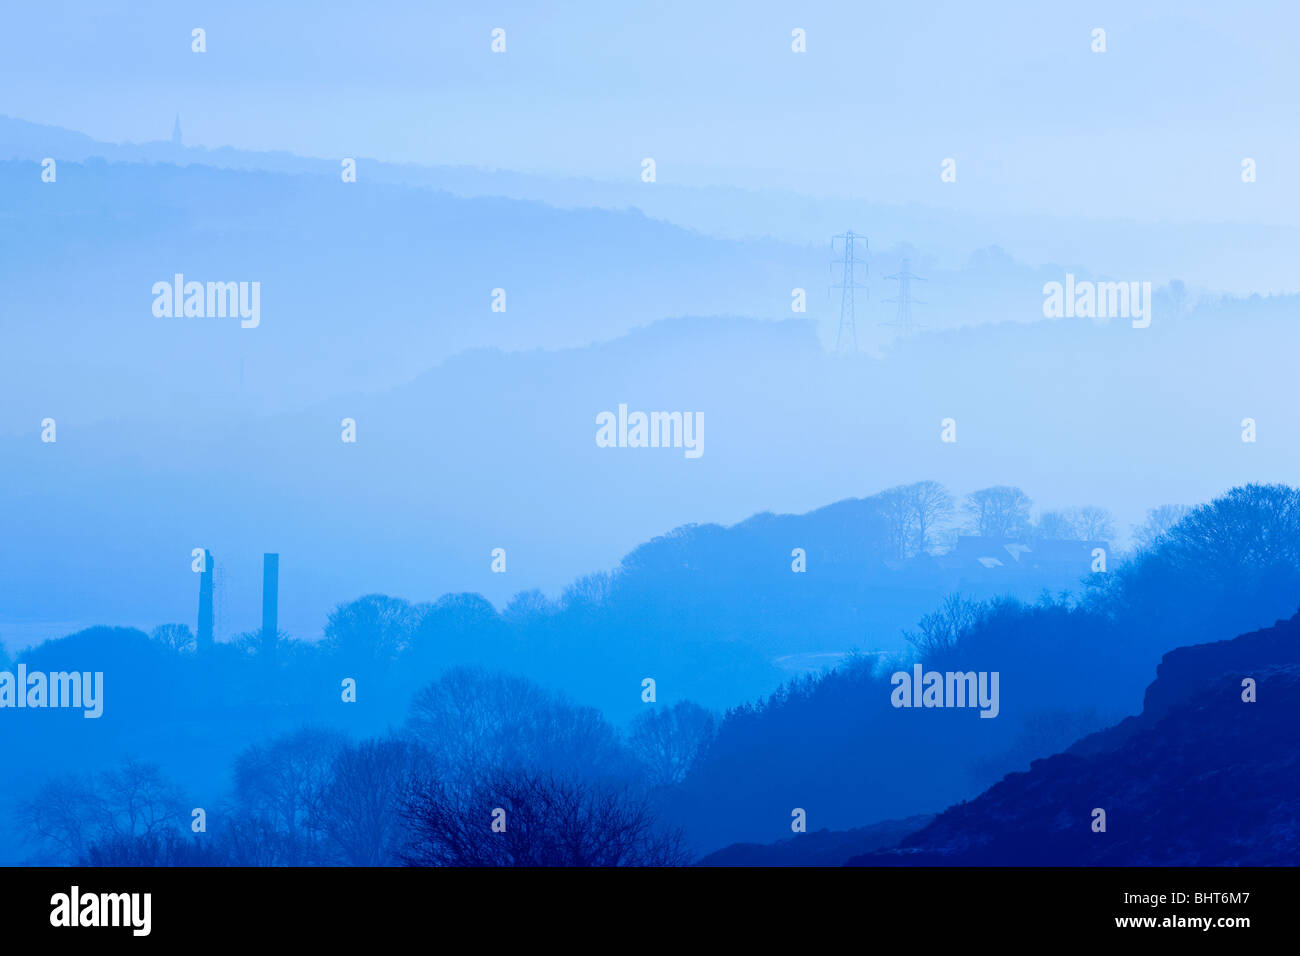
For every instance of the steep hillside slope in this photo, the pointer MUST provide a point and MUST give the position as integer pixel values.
(1202, 777)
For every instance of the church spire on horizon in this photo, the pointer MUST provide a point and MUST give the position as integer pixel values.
(176, 132)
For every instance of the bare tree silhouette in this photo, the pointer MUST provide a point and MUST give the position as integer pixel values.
(541, 820)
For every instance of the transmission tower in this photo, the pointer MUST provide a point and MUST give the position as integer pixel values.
(903, 321)
(846, 340)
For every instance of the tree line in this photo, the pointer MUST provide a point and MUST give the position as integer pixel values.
(488, 769)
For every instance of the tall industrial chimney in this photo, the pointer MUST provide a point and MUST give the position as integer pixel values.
(205, 632)
(270, 602)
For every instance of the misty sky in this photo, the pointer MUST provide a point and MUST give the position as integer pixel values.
(1155, 128)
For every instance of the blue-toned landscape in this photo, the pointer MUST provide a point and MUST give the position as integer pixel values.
(649, 435)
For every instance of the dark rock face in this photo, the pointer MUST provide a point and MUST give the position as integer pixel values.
(1200, 778)
(1184, 670)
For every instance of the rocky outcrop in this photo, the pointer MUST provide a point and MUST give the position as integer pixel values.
(1204, 776)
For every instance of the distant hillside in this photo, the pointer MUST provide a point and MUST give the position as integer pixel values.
(821, 848)
(736, 582)
(1200, 778)
(362, 286)
(942, 242)
(497, 449)
(837, 747)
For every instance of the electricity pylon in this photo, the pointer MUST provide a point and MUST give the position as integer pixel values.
(903, 321)
(846, 340)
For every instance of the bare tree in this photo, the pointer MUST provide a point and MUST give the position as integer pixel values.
(894, 508)
(165, 848)
(668, 741)
(64, 815)
(1242, 533)
(528, 819)
(249, 840)
(176, 637)
(1094, 523)
(588, 592)
(931, 507)
(1158, 523)
(467, 716)
(361, 807)
(942, 630)
(1001, 511)
(470, 720)
(283, 783)
(912, 515)
(253, 644)
(1056, 526)
(528, 606)
(372, 629)
(1088, 523)
(139, 801)
(72, 815)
